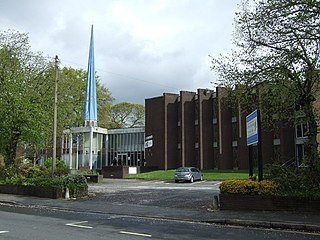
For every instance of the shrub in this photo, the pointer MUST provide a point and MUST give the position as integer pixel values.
(8, 172)
(36, 171)
(60, 169)
(88, 172)
(76, 183)
(295, 181)
(26, 175)
(249, 187)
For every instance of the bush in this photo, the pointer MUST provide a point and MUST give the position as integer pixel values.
(26, 175)
(76, 183)
(60, 169)
(8, 172)
(88, 172)
(249, 187)
(295, 181)
(37, 171)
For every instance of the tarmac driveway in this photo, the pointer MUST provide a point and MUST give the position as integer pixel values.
(197, 195)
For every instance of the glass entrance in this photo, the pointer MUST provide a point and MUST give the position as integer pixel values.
(122, 159)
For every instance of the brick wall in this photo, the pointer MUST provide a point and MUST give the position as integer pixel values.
(269, 203)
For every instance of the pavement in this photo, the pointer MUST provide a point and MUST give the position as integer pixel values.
(105, 199)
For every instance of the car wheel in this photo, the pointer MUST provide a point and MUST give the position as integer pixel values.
(176, 181)
(191, 179)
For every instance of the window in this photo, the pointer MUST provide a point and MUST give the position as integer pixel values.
(235, 157)
(276, 131)
(215, 133)
(234, 131)
(215, 108)
(214, 121)
(300, 153)
(276, 152)
(301, 130)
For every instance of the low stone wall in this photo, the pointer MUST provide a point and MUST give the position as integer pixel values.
(93, 178)
(268, 203)
(123, 171)
(36, 191)
(113, 172)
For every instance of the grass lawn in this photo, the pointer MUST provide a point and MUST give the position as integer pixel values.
(208, 174)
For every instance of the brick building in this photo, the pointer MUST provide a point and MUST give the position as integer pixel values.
(199, 129)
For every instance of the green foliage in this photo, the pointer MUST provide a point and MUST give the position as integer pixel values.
(8, 172)
(104, 100)
(126, 115)
(76, 183)
(276, 65)
(60, 168)
(24, 172)
(36, 181)
(249, 187)
(36, 171)
(24, 175)
(295, 181)
(88, 172)
(23, 94)
(73, 180)
(208, 174)
(27, 95)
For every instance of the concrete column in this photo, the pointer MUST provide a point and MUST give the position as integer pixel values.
(70, 150)
(77, 153)
(90, 151)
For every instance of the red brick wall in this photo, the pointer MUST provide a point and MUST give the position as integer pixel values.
(268, 203)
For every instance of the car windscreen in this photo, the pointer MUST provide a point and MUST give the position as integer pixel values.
(182, 169)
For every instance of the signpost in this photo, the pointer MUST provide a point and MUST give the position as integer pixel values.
(253, 124)
(252, 128)
(148, 142)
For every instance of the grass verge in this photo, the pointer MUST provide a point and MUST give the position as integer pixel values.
(218, 175)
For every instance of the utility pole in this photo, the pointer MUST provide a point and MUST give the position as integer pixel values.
(54, 138)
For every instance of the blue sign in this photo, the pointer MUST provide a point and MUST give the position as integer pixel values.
(252, 128)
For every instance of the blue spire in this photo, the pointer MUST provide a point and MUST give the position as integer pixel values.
(90, 105)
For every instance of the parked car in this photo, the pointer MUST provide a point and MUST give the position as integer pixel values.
(189, 174)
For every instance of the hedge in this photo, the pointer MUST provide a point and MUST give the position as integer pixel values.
(249, 187)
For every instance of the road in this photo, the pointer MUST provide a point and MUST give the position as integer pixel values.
(23, 224)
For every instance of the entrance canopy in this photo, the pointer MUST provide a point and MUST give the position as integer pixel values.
(84, 147)
(94, 147)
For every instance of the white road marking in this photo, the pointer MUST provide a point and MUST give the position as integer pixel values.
(136, 234)
(76, 224)
(217, 183)
(4, 232)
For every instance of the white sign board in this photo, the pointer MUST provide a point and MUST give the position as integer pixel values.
(132, 170)
(252, 128)
(148, 143)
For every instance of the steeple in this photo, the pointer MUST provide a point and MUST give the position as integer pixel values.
(90, 105)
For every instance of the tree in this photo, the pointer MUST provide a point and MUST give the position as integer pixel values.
(23, 94)
(27, 97)
(126, 115)
(71, 97)
(104, 100)
(278, 49)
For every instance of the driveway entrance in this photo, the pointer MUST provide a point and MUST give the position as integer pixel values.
(198, 195)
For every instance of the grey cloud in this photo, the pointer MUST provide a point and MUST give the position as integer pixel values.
(133, 68)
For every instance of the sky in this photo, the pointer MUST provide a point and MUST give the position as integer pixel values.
(143, 48)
